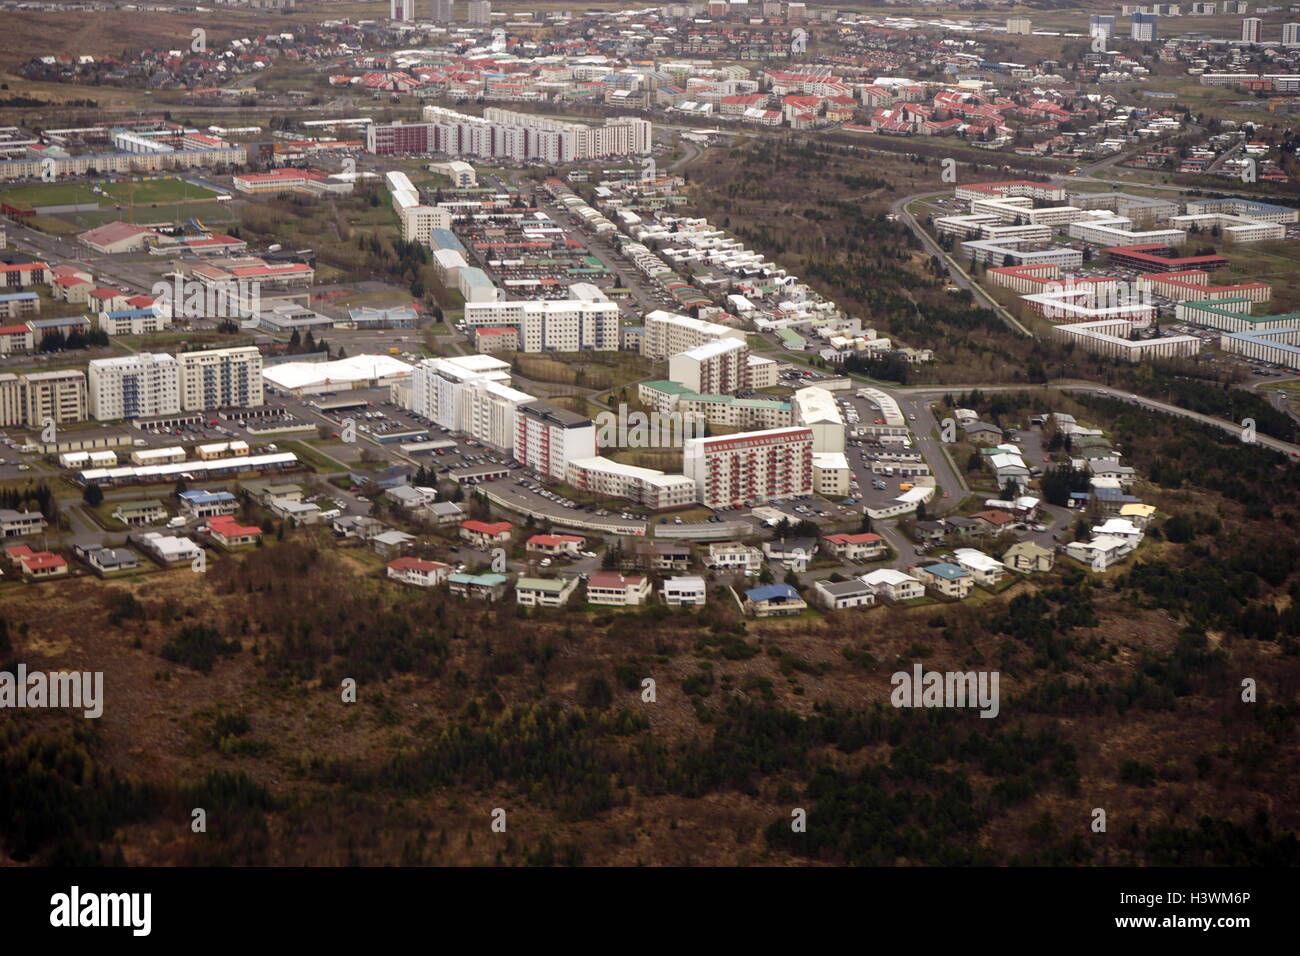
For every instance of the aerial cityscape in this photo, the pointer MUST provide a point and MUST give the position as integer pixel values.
(500, 434)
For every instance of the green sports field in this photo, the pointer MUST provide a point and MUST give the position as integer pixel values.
(146, 192)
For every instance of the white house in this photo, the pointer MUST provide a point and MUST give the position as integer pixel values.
(985, 570)
(733, 556)
(620, 590)
(837, 595)
(424, 574)
(685, 589)
(893, 585)
(544, 592)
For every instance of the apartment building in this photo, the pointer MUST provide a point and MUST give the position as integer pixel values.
(1110, 337)
(547, 438)
(12, 400)
(470, 394)
(618, 589)
(60, 396)
(221, 378)
(948, 580)
(719, 367)
(558, 325)
(750, 466)
(667, 334)
(649, 487)
(133, 386)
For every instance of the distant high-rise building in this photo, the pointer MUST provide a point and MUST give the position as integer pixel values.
(1290, 33)
(1019, 26)
(1101, 26)
(1234, 6)
(443, 11)
(401, 9)
(480, 13)
(1251, 29)
(796, 12)
(1144, 27)
(772, 9)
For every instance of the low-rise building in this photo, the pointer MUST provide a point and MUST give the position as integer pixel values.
(685, 589)
(734, 556)
(20, 524)
(482, 587)
(556, 544)
(838, 595)
(228, 532)
(774, 600)
(485, 534)
(986, 571)
(1027, 557)
(207, 504)
(618, 589)
(865, 546)
(544, 592)
(37, 565)
(136, 513)
(418, 572)
(893, 585)
(948, 580)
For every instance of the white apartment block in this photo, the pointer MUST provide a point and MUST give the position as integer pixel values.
(547, 438)
(668, 334)
(562, 325)
(644, 486)
(60, 396)
(1110, 337)
(750, 466)
(11, 400)
(817, 409)
(1116, 232)
(470, 394)
(133, 386)
(720, 367)
(221, 378)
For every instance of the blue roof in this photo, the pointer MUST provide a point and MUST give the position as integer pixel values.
(473, 276)
(17, 297)
(444, 239)
(56, 323)
(949, 571)
(130, 314)
(482, 580)
(768, 592)
(206, 497)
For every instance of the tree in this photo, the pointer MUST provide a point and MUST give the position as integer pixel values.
(93, 495)
(765, 575)
(792, 579)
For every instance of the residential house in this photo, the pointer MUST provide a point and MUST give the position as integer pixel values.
(391, 542)
(228, 532)
(297, 512)
(109, 560)
(791, 551)
(734, 556)
(421, 573)
(1027, 557)
(167, 548)
(855, 547)
(20, 524)
(483, 587)
(1139, 514)
(137, 513)
(37, 565)
(993, 521)
(948, 580)
(357, 526)
(838, 595)
(685, 589)
(660, 556)
(618, 589)
(987, 571)
(1101, 552)
(553, 545)
(893, 585)
(207, 504)
(544, 592)
(411, 497)
(982, 433)
(445, 513)
(773, 600)
(485, 534)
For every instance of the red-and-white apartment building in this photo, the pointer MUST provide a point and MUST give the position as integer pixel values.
(750, 466)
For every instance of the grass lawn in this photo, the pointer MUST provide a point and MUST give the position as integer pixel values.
(318, 461)
(50, 194)
(163, 190)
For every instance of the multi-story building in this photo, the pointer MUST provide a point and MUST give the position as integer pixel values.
(133, 386)
(470, 394)
(553, 325)
(750, 466)
(720, 367)
(444, 11)
(607, 478)
(1252, 29)
(1144, 27)
(221, 378)
(12, 406)
(401, 9)
(668, 334)
(1100, 25)
(60, 396)
(1291, 34)
(547, 438)
(479, 13)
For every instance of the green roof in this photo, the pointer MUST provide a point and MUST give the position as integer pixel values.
(671, 388)
(550, 585)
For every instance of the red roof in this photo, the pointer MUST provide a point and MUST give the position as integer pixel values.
(614, 579)
(228, 527)
(487, 527)
(415, 564)
(13, 329)
(864, 538)
(551, 540)
(993, 517)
